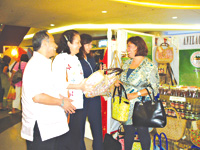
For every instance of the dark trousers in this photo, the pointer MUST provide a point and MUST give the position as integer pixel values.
(1, 92)
(75, 129)
(38, 144)
(143, 134)
(92, 109)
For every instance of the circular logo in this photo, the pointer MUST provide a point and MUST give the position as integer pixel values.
(195, 59)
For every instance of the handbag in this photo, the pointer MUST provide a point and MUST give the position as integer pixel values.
(149, 113)
(195, 133)
(11, 93)
(120, 105)
(17, 75)
(100, 81)
(110, 143)
(175, 127)
(159, 147)
(119, 135)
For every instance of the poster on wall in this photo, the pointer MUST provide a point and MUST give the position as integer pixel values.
(189, 67)
(147, 38)
(189, 60)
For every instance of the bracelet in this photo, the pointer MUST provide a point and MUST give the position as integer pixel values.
(63, 102)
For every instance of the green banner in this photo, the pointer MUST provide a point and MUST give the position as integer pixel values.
(147, 39)
(189, 67)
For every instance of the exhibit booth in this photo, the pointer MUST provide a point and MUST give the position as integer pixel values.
(178, 61)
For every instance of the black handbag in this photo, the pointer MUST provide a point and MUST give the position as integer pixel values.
(17, 75)
(110, 143)
(149, 113)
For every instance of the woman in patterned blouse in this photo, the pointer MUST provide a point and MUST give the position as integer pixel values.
(139, 72)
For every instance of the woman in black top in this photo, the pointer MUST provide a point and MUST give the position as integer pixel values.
(91, 106)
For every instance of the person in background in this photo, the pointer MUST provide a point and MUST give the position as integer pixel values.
(91, 106)
(43, 109)
(16, 104)
(67, 69)
(139, 72)
(5, 84)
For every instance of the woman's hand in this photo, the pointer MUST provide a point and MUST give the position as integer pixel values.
(102, 66)
(117, 83)
(132, 96)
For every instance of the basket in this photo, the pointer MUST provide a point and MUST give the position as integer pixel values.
(175, 127)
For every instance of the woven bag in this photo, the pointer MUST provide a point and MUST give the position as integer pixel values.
(175, 127)
(195, 134)
(120, 105)
(100, 81)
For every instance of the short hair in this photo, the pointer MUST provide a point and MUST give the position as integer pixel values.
(142, 49)
(38, 38)
(85, 39)
(6, 59)
(67, 36)
(24, 57)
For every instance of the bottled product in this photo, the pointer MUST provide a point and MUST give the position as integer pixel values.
(188, 106)
(182, 105)
(176, 105)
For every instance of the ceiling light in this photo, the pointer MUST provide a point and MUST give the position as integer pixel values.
(52, 25)
(159, 5)
(122, 26)
(175, 17)
(104, 11)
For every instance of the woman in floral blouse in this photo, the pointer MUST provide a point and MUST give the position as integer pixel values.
(139, 72)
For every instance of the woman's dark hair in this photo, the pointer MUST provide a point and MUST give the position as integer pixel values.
(37, 39)
(65, 37)
(6, 59)
(85, 39)
(24, 57)
(142, 49)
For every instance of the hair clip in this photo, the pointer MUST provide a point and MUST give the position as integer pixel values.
(66, 38)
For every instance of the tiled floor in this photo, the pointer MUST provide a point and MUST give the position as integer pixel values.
(10, 126)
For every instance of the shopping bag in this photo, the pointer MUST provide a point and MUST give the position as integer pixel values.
(149, 113)
(195, 133)
(119, 135)
(11, 93)
(175, 127)
(17, 75)
(159, 146)
(120, 105)
(110, 143)
(100, 81)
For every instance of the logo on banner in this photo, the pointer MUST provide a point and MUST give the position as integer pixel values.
(195, 59)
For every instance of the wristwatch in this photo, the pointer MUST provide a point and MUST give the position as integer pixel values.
(139, 94)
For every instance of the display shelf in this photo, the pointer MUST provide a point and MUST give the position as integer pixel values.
(195, 102)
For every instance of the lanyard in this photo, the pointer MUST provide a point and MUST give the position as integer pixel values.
(89, 65)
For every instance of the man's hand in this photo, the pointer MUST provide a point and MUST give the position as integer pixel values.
(68, 107)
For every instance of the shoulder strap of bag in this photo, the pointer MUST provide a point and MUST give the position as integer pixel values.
(165, 139)
(115, 62)
(19, 65)
(13, 67)
(154, 140)
(122, 89)
(152, 99)
(113, 70)
(173, 80)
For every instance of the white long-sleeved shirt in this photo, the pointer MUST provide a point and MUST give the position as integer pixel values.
(65, 63)
(51, 119)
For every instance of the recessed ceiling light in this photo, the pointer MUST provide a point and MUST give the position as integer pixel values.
(104, 11)
(175, 17)
(52, 25)
(159, 5)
